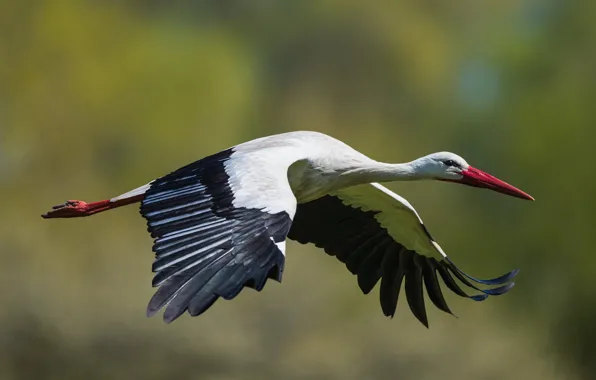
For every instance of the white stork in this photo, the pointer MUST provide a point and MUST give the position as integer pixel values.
(221, 223)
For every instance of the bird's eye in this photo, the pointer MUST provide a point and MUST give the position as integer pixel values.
(450, 163)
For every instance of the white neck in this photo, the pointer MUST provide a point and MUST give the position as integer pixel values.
(383, 172)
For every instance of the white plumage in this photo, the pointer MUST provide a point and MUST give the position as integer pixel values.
(221, 223)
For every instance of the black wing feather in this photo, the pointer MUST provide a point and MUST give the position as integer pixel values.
(361, 252)
(433, 288)
(357, 239)
(391, 283)
(370, 270)
(205, 247)
(414, 291)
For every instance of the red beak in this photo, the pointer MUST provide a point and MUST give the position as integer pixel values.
(477, 178)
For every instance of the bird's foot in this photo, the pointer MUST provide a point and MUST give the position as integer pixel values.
(73, 209)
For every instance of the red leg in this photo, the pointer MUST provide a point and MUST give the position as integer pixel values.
(73, 209)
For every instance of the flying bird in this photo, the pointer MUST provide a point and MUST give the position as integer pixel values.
(221, 223)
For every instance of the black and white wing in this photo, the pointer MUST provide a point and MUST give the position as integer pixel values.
(379, 236)
(213, 236)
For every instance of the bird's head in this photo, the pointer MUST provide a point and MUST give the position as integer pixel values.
(450, 167)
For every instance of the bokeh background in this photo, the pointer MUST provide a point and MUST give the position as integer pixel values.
(99, 97)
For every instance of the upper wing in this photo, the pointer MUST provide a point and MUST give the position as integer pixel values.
(379, 235)
(207, 243)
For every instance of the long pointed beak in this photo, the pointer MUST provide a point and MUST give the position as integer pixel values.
(478, 178)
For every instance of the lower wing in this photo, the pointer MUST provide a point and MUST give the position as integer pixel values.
(379, 236)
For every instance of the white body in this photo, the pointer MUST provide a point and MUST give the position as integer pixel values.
(276, 172)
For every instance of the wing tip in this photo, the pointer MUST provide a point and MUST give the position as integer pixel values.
(500, 280)
(170, 317)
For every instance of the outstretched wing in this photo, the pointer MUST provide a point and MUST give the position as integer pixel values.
(379, 236)
(211, 237)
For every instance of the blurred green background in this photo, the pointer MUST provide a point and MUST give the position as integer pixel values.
(99, 97)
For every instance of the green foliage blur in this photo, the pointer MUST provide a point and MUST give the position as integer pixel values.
(99, 97)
